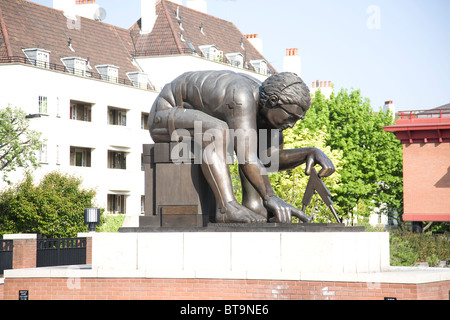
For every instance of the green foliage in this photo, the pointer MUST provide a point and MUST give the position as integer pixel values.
(112, 223)
(372, 170)
(53, 208)
(368, 160)
(18, 143)
(290, 185)
(408, 248)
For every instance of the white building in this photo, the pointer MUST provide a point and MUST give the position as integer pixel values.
(95, 83)
(171, 39)
(292, 62)
(325, 87)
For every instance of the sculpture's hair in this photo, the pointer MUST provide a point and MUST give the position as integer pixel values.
(288, 87)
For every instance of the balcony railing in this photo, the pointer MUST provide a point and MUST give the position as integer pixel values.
(78, 72)
(424, 116)
(417, 114)
(156, 52)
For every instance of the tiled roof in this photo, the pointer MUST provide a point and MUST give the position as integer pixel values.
(26, 25)
(444, 107)
(172, 34)
(29, 25)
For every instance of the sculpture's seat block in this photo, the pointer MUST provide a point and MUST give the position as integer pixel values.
(177, 195)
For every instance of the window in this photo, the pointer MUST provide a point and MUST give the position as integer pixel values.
(117, 117)
(42, 59)
(80, 157)
(38, 57)
(212, 53)
(43, 154)
(109, 72)
(75, 65)
(260, 66)
(116, 204)
(79, 67)
(80, 111)
(58, 109)
(236, 59)
(57, 155)
(144, 121)
(42, 104)
(142, 204)
(117, 160)
(139, 79)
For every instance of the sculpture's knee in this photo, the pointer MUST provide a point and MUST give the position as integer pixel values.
(216, 132)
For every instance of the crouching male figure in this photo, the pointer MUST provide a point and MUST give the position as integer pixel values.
(224, 101)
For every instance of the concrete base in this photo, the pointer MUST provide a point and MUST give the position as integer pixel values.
(280, 255)
(232, 266)
(243, 227)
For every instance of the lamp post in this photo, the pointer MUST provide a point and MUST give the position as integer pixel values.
(91, 218)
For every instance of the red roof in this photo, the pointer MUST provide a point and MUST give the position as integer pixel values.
(422, 126)
(174, 34)
(26, 25)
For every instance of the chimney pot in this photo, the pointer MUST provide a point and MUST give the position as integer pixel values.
(313, 84)
(148, 16)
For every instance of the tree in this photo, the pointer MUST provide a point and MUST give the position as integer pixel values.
(290, 185)
(18, 143)
(53, 208)
(372, 170)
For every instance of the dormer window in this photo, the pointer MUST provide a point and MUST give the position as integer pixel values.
(236, 59)
(75, 65)
(260, 66)
(109, 72)
(211, 52)
(139, 79)
(38, 57)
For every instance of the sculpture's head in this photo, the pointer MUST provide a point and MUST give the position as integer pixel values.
(284, 100)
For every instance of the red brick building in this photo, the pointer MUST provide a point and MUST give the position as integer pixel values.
(425, 136)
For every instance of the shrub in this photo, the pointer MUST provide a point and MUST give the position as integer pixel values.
(408, 248)
(112, 223)
(52, 208)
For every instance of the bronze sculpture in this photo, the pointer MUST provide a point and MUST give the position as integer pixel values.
(222, 101)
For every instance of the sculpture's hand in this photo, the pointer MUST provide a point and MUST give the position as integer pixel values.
(284, 211)
(318, 157)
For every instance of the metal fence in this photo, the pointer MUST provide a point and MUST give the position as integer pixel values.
(82, 73)
(60, 252)
(6, 255)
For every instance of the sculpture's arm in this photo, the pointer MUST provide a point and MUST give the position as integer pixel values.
(256, 174)
(288, 159)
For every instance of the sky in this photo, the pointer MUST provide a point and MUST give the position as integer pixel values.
(395, 50)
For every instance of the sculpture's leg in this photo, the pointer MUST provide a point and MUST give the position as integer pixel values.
(250, 197)
(214, 134)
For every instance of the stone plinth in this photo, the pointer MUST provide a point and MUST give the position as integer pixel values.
(176, 195)
(265, 255)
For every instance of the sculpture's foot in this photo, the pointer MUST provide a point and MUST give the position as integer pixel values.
(233, 212)
(256, 206)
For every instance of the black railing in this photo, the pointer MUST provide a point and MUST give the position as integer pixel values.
(78, 72)
(6, 255)
(60, 252)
